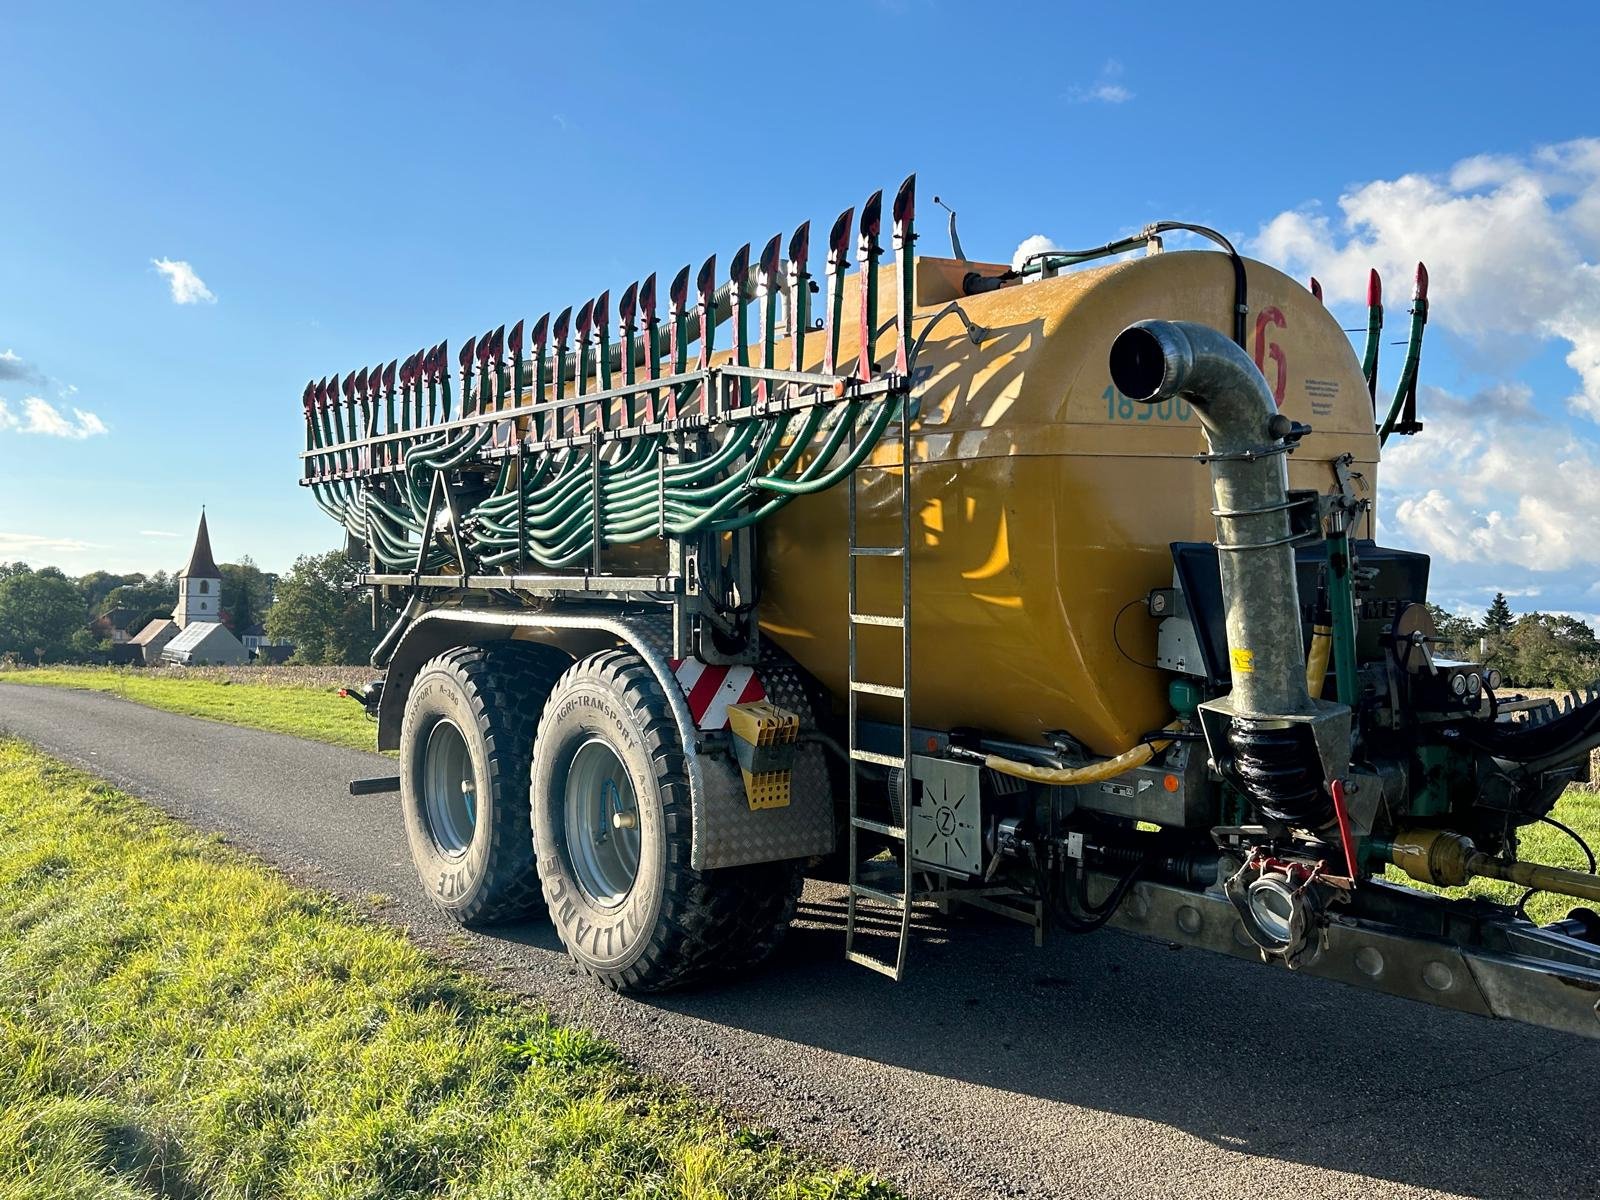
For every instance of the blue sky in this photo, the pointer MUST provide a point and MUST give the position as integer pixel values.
(346, 185)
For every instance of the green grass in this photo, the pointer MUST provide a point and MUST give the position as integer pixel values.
(318, 713)
(177, 1021)
(1578, 808)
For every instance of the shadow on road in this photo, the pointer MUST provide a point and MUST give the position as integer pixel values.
(1254, 1060)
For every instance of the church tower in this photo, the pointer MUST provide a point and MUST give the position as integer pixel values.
(199, 583)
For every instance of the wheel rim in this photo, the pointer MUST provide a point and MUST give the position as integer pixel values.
(602, 824)
(449, 789)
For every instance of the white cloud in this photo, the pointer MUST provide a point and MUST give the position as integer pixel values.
(14, 366)
(40, 416)
(1037, 244)
(160, 533)
(1106, 89)
(35, 543)
(187, 287)
(1482, 487)
(1511, 244)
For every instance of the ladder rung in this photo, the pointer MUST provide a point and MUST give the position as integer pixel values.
(878, 894)
(877, 551)
(875, 619)
(897, 832)
(882, 760)
(866, 960)
(892, 690)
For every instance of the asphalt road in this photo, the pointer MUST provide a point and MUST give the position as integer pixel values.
(1098, 1066)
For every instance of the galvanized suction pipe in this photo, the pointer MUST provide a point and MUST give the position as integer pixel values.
(1154, 361)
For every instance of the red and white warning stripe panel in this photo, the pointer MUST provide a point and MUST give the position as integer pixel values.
(710, 690)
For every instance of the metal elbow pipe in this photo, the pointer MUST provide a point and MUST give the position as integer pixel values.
(1153, 361)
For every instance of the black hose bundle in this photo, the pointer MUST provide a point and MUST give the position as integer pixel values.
(1086, 917)
(1537, 747)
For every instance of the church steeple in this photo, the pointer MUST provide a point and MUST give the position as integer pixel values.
(201, 564)
(199, 583)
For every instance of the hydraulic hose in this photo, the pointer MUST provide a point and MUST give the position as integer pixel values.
(1095, 772)
(1317, 659)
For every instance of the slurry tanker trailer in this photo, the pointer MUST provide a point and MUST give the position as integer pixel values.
(1048, 590)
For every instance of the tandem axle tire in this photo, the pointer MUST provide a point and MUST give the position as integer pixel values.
(611, 818)
(465, 745)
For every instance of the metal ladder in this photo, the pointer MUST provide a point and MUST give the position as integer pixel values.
(900, 902)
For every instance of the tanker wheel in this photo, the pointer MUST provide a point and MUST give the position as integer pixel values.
(465, 746)
(611, 819)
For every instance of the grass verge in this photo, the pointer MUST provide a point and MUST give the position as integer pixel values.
(177, 1021)
(310, 712)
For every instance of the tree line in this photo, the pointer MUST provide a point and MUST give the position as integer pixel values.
(47, 616)
(1536, 649)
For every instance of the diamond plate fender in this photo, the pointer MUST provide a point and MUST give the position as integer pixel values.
(727, 832)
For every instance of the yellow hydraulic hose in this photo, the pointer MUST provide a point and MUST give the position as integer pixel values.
(1096, 772)
(1317, 659)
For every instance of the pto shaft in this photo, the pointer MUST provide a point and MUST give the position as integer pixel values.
(1447, 859)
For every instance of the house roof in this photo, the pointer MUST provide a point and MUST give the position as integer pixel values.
(201, 564)
(153, 630)
(192, 637)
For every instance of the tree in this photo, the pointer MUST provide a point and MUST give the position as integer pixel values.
(39, 613)
(1547, 650)
(246, 593)
(1499, 618)
(152, 598)
(1458, 636)
(320, 610)
(84, 647)
(96, 586)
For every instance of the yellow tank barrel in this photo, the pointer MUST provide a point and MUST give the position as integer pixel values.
(1044, 500)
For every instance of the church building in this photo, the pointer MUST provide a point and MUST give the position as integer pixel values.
(199, 583)
(194, 636)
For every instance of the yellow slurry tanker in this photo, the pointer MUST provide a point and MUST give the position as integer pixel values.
(1047, 590)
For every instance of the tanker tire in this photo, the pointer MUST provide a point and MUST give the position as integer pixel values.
(770, 912)
(492, 695)
(674, 926)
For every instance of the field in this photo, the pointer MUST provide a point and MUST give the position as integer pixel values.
(178, 1021)
(302, 701)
